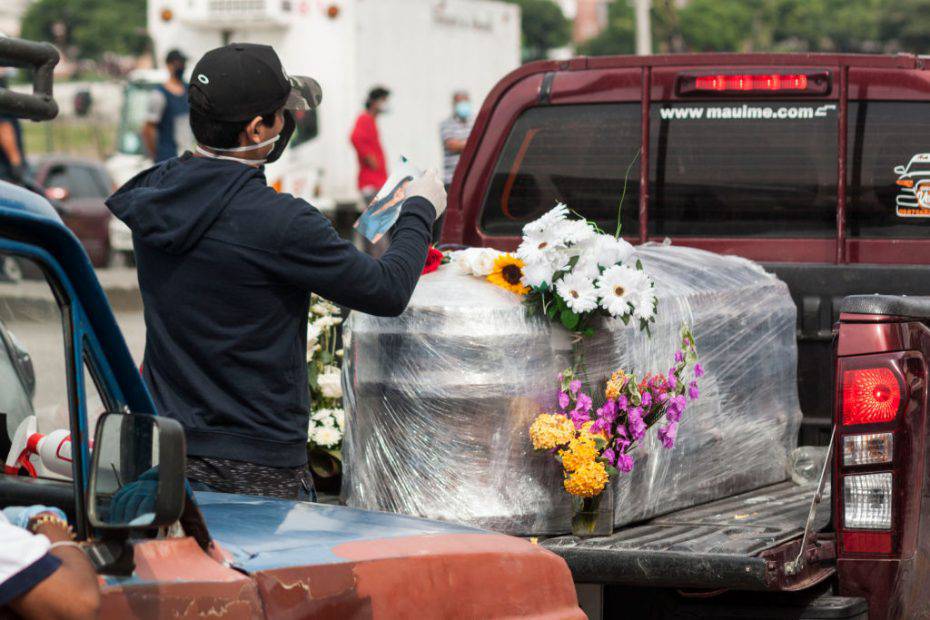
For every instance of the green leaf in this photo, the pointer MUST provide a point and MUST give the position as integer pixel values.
(599, 442)
(552, 310)
(569, 319)
(588, 332)
(611, 470)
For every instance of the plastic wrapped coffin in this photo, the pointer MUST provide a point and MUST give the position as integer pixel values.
(438, 400)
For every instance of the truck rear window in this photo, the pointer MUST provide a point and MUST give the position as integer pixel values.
(883, 136)
(739, 169)
(575, 154)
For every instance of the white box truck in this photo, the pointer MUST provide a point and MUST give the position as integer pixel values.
(422, 50)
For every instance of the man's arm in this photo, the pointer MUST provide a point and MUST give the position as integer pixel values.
(8, 144)
(324, 263)
(71, 592)
(150, 138)
(454, 146)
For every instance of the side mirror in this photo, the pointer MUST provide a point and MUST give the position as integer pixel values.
(57, 193)
(137, 476)
(899, 170)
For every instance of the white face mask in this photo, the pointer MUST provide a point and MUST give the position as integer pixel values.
(239, 149)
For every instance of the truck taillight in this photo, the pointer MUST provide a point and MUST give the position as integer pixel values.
(876, 410)
(870, 395)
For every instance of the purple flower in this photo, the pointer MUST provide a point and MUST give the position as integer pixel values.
(679, 357)
(636, 424)
(563, 400)
(625, 463)
(608, 412)
(599, 426)
(610, 456)
(583, 403)
(663, 397)
(676, 407)
(693, 391)
(622, 402)
(574, 386)
(579, 418)
(672, 379)
(667, 434)
(646, 399)
(698, 370)
(622, 437)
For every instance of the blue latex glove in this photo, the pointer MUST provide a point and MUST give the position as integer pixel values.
(20, 515)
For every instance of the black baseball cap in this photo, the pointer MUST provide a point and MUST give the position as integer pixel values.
(240, 81)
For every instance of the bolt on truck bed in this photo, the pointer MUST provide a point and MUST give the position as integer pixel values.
(740, 542)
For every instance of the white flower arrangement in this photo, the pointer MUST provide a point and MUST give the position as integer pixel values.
(575, 271)
(327, 419)
(475, 261)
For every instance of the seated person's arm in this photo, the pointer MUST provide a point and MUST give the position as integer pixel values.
(70, 590)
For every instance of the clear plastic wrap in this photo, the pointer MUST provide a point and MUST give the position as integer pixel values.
(438, 401)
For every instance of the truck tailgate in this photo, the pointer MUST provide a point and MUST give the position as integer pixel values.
(740, 542)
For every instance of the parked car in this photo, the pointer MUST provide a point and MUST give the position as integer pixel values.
(218, 554)
(796, 161)
(80, 186)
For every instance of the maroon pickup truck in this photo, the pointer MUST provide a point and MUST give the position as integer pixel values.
(818, 167)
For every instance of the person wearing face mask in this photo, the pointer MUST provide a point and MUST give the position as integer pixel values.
(454, 133)
(226, 266)
(166, 131)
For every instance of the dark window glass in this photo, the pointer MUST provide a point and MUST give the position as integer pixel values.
(307, 126)
(578, 155)
(80, 181)
(735, 169)
(889, 169)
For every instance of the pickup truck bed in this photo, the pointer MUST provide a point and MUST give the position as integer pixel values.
(740, 542)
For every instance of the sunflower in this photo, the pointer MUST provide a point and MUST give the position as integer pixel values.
(508, 274)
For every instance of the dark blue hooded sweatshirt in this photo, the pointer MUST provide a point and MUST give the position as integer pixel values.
(226, 266)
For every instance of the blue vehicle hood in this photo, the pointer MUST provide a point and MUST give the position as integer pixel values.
(265, 533)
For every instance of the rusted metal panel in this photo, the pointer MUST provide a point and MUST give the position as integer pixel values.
(174, 578)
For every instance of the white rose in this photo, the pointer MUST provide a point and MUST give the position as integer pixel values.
(483, 261)
(330, 382)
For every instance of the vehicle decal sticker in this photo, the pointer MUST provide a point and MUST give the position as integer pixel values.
(747, 112)
(913, 197)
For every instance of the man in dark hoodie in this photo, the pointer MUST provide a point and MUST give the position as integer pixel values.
(226, 266)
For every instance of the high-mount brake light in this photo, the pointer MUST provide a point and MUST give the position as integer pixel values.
(753, 82)
(870, 395)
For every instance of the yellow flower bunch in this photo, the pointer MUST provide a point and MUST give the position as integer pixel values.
(550, 431)
(581, 451)
(615, 384)
(588, 480)
(586, 431)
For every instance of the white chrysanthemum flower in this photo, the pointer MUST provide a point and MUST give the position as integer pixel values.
(549, 219)
(538, 246)
(330, 382)
(607, 251)
(313, 335)
(340, 417)
(587, 266)
(326, 436)
(578, 292)
(321, 414)
(644, 307)
(619, 287)
(575, 232)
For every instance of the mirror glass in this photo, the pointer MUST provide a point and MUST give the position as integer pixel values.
(126, 473)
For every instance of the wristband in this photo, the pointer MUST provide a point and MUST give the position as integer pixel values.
(65, 543)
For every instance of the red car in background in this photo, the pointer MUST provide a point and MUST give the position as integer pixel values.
(78, 187)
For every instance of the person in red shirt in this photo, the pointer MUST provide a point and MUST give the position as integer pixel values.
(372, 171)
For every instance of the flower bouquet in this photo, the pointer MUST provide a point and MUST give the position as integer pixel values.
(594, 443)
(327, 418)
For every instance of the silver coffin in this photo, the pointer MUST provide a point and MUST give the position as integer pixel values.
(438, 400)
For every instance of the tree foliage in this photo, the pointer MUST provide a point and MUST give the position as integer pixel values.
(88, 28)
(544, 27)
(873, 26)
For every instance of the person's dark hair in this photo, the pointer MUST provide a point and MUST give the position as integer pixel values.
(376, 93)
(221, 134)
